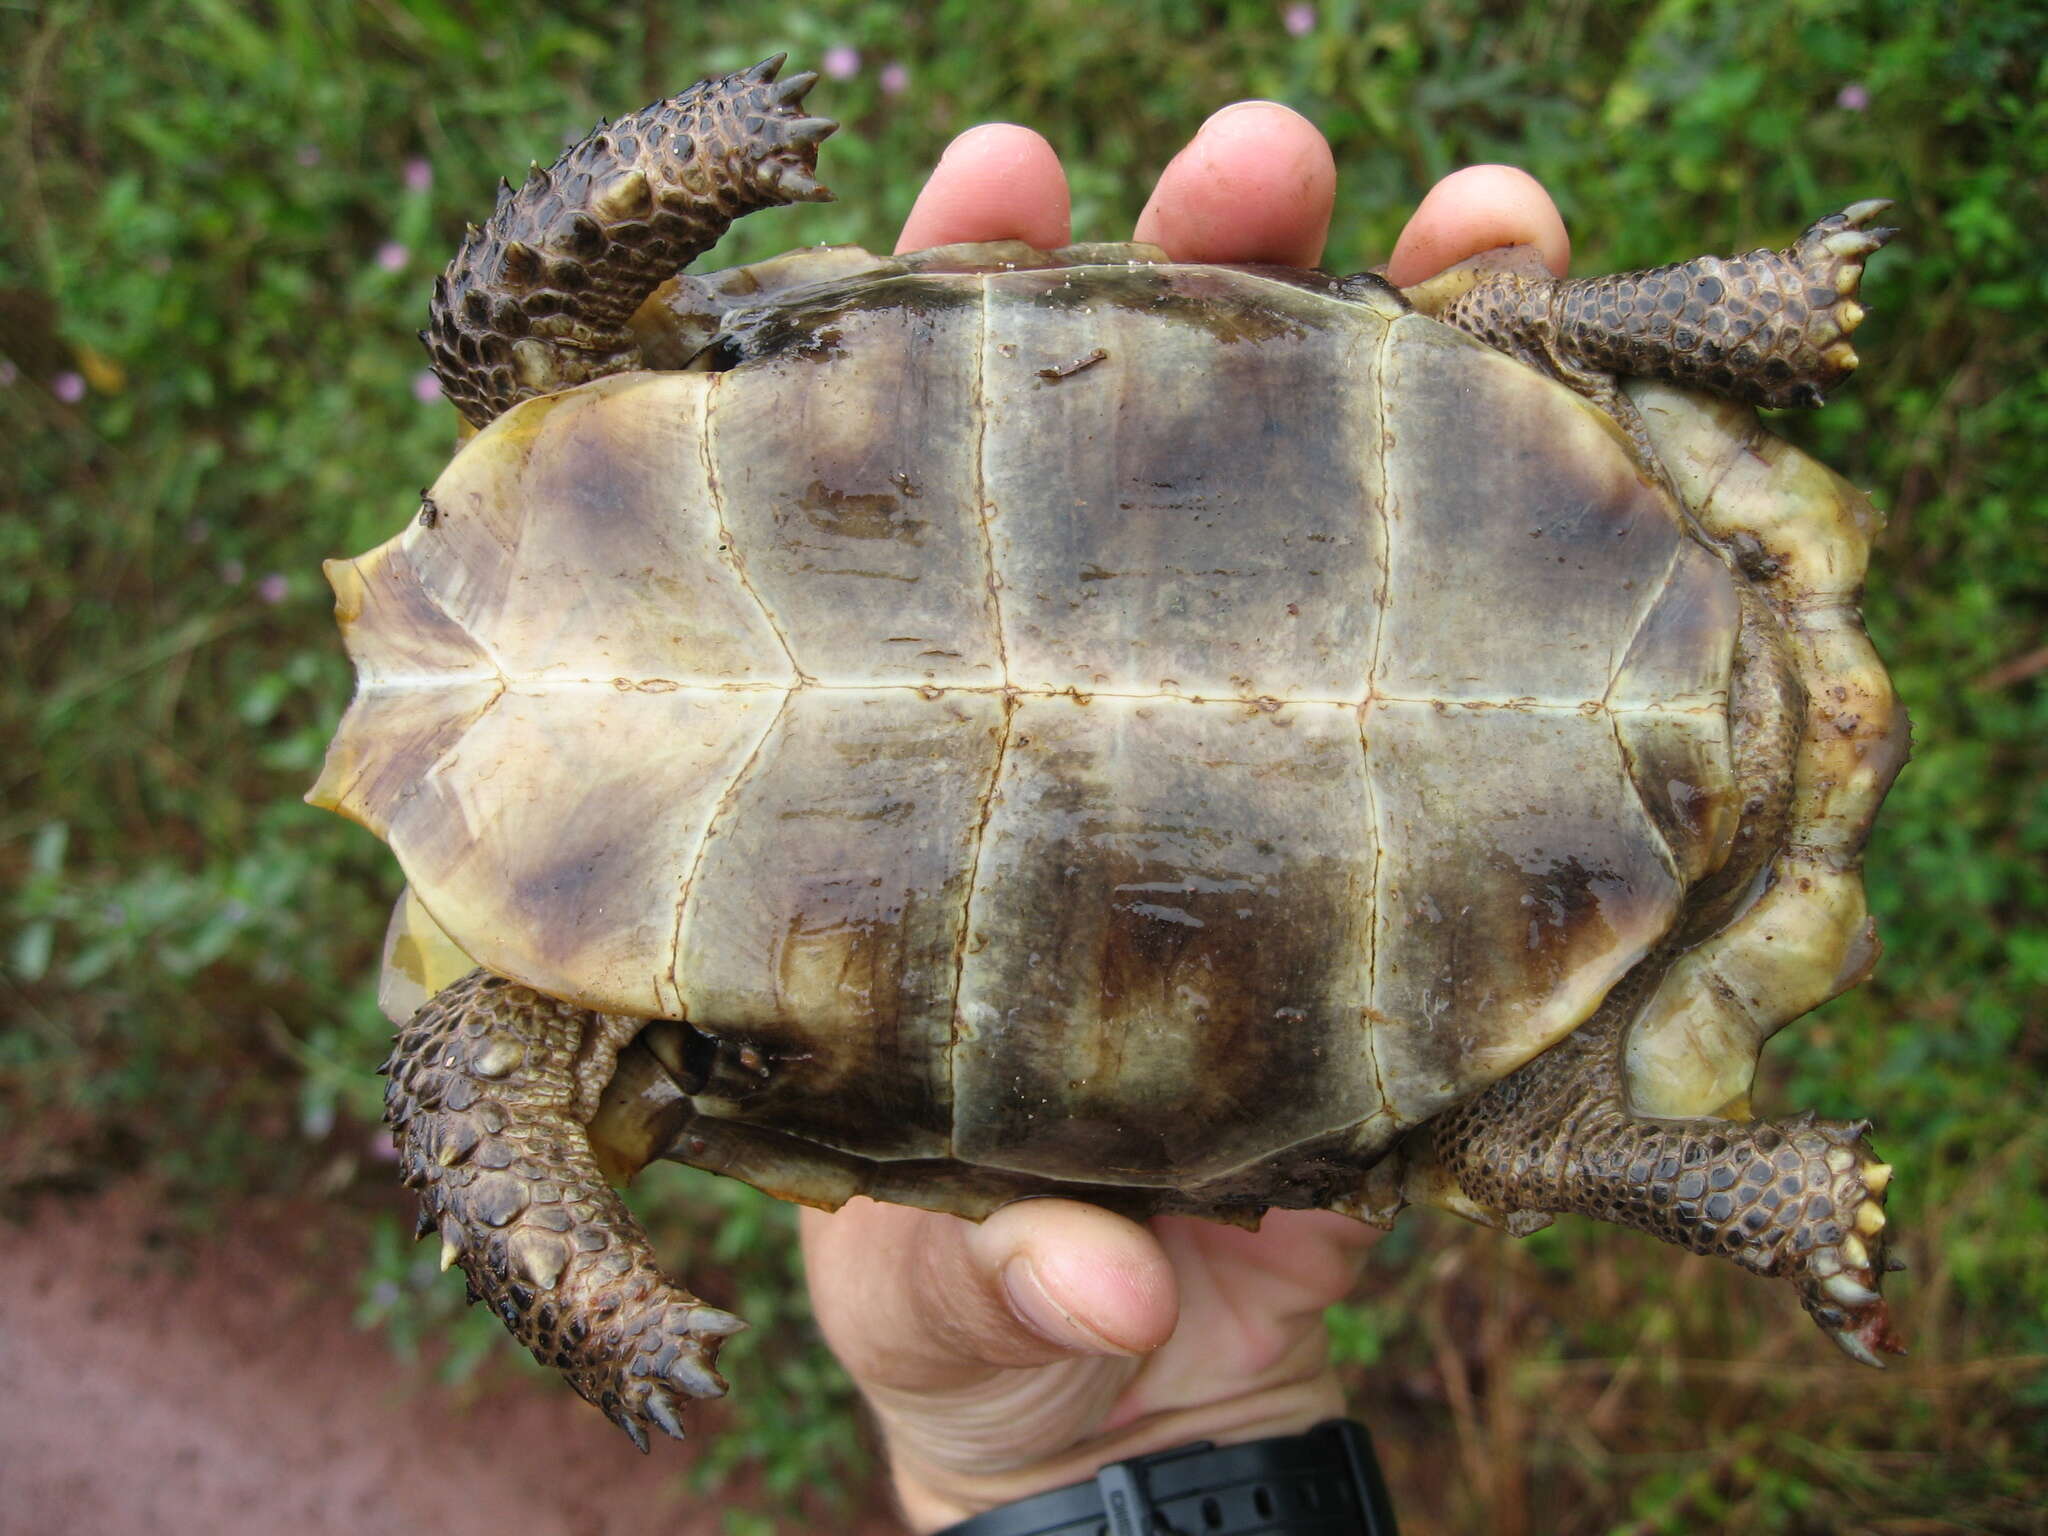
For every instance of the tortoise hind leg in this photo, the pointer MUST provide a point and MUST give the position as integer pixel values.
(1799, 1198)
(491, 1088)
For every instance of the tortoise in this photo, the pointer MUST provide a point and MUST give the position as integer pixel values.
(997, 722)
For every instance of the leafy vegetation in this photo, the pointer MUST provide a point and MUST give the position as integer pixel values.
(221, 223)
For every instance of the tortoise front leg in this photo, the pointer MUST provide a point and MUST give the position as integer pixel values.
(492, 1086)
(1799, 1198)
(539, 298)
(1768, 328)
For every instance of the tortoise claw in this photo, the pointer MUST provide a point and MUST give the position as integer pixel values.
(767, 69)
(712, 1323)
(633, 1431)
(662, 1409)
(1850, 1345)
(795, 88)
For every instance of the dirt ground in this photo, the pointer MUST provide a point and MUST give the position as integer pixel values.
(219, 1388)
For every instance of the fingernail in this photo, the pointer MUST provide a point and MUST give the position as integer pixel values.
(1035, 1308)
(1256, 104)
(969, 133)
(1235, 106)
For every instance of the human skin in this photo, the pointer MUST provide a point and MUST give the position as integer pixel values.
(1020, 1354)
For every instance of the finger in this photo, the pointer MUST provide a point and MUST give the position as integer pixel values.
(915, 1301)
(995, 182)
(1256, 183)
(1474, 210)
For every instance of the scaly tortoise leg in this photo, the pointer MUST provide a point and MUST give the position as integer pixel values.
(1799, 1198)
(1768, 327)
(540, 298)
(492, 1086)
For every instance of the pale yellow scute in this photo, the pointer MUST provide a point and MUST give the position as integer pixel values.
(578, 538)
(1694, 1050)
(390, 739)
(1807, 534)
(553, 842)
(393, 627)
(560, 673)
(419, 960)
(1803, 534)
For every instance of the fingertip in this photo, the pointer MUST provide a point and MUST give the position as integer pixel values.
(1082, 1278)
(1478, 209)
(1255, 184)
(998, 181)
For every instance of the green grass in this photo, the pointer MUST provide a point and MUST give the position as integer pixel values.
(196, 196)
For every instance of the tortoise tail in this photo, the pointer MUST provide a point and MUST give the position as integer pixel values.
(485, 1103)
(539, 298)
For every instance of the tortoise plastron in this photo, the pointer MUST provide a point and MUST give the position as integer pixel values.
(996, 722)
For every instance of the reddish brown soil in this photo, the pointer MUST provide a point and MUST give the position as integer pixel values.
(219, 1387)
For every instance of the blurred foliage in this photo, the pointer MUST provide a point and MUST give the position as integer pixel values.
(221, 222)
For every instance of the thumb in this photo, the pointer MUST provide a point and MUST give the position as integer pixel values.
(917, 1302)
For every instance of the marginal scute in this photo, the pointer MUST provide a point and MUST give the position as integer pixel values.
(1807, 534)
(419, 960)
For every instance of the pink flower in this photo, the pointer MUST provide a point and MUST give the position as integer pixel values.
(8, 373)
(419, 174)
(392, 256)
(1853, 97)
(1299, 20)
(68, 386)
(274, 589)
(894, 79)
(841, 62)
(425, 387)
(308, 155)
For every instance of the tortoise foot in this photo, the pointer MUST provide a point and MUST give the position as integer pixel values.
(1828, 261)
(483, 1101)
(1841, 1266)
(1800, 1199)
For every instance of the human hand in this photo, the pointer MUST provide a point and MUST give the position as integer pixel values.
(1021, 1354)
